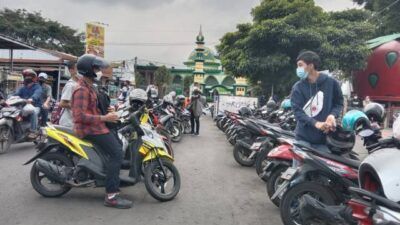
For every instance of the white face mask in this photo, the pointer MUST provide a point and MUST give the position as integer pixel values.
(99, 74)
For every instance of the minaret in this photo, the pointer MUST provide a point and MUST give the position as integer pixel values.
(198, 73)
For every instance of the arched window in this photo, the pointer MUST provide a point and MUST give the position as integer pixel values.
(211, 81)
(177, 80)
(228, 81)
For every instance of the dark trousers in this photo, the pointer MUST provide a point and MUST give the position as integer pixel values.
(44, 114)
(109, 144)
(194, 120)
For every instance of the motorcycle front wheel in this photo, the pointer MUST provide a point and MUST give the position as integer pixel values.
(176, 132)
(163, 187)
(6, 138)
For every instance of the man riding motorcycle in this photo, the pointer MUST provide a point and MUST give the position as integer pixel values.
(32, 92)
(90, 124)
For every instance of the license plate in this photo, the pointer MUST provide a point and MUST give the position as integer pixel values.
(256, 146)
(289, 173)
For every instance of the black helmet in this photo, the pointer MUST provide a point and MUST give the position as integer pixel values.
(88, 63)
(271, 104)
(375, 112)
(244, 111)
(341, 141)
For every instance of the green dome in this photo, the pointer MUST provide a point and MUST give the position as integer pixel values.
(209, 56)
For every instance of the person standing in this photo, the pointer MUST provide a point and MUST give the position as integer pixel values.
(90, 124)
(196, 109)
(317, 101)
(46, 98)
(66, 96)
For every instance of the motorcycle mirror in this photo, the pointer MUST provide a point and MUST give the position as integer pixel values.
(366, 133)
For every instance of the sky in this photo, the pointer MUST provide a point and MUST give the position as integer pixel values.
(131, 25)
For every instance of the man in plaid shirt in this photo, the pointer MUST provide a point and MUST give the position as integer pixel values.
(89, 124)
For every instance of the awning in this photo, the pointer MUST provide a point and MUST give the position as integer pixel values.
(10, 43)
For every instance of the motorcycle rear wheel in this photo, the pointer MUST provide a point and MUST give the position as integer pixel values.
(36, 179)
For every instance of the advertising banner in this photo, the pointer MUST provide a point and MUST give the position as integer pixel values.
(95, 39)
(233, 103)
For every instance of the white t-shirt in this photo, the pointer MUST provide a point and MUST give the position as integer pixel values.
(66, 117)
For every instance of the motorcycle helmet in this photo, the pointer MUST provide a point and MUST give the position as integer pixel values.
(377, 173)
(354, 119)
(375, 112)
(88, 63)
(137, 97)
(341, 141)
(180, 99)
(43, 75)
(244, 111)
(286, 104)
(271, 104)
(29, 72)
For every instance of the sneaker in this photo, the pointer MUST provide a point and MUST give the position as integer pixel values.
(197, 134)
(118, 202)
(33, 135)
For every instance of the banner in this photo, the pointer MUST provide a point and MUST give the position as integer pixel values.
(234, 103)
(95, 39)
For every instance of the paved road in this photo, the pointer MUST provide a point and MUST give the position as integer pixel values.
(215, 190)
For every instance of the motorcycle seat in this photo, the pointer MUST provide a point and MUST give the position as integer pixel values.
(348, 162)
(65, 129)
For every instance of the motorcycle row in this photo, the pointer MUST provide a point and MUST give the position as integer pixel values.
(64, 161)
(314, 187)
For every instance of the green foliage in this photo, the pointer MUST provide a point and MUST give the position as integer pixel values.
(41, 32)
(187, 81)
(266, 50)
(388, 18)
(140, 81)
(162, 78)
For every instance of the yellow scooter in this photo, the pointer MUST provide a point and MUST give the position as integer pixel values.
(65, 161)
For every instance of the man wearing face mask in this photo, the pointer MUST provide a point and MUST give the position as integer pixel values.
(317, 101)
(46, 98)
(90, 124)
(32, 92)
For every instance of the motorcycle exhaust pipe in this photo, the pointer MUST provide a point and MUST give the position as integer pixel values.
(51, 171)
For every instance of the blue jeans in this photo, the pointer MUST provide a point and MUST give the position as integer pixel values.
(34, 119)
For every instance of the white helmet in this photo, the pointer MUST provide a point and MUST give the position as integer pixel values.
(138, 95)
(168, 98)
(44, 75)
(173, 94)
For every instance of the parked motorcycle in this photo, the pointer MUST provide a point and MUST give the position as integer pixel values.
(374, 202)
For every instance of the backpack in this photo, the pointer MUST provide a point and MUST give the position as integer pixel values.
(56, 114)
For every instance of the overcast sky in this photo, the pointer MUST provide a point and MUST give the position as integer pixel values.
(153, 21)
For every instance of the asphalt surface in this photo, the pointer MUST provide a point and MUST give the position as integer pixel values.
(215, 190)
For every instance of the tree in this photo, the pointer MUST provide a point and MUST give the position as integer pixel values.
(32, 28)
(386, 16)
(162, 78)
(187, 81)
(265, 51)
(140, 81)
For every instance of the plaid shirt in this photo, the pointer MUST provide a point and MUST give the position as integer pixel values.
(85, 112)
